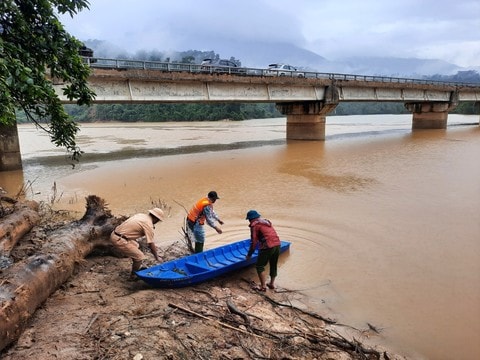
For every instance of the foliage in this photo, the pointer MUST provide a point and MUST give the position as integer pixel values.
(221, 111)
(171, 112)
(369, 108)
(467, 108)
(35, 50)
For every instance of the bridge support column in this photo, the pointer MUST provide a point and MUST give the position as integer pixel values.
(431, 114)
(476, 107)
(301, 126)
(306, 119)
(10, 157)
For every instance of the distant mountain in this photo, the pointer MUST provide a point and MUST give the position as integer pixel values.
(261, 54)
(398, 66)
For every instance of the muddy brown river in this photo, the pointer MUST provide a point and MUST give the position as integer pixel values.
(384, 222)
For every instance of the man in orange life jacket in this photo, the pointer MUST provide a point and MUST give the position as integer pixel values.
(203, 211)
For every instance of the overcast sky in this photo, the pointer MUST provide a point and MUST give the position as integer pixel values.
(430, 29)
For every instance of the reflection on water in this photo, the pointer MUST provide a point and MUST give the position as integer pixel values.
(12, 182)
(130, 152)
(340, 183)
(384, 222)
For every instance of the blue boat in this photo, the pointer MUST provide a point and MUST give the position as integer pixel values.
(197, 268)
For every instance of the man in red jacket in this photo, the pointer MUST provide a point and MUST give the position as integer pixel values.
(264, 237)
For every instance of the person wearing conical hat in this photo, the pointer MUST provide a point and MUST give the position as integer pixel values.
(126, 235)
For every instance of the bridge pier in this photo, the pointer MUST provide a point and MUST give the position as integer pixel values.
(431, 114)
(306, 119)
(10, 157)
(476, 107)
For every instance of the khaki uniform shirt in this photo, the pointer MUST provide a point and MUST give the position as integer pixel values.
(137, 226)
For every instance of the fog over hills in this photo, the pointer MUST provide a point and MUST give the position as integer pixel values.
(398, 66)
(261, 54)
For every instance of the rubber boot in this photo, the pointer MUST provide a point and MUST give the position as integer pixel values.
(198, 247)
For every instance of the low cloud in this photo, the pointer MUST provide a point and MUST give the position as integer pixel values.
(331, 28)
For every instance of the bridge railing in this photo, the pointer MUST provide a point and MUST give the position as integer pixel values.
(196, 68)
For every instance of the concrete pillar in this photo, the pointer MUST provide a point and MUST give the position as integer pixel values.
(429, 115)
(10, 157)
(306, 119)
(305, 127)
(476, 107)
(432, 114)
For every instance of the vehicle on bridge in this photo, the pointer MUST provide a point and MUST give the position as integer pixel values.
(284, 70)
(222, 66)
(87, 53)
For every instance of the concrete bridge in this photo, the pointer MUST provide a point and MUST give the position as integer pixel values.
(306, 98)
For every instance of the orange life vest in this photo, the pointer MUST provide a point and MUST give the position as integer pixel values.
(196, 213)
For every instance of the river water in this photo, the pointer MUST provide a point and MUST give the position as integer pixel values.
(384, 222)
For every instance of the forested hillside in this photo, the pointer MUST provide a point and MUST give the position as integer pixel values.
(172, 112)
(213, 112)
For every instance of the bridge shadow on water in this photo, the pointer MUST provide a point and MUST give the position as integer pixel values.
(131, 152)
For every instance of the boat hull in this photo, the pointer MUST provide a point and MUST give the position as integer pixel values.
(196, 268)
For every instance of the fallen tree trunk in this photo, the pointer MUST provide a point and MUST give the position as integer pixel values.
(27, 284)
(14, 226)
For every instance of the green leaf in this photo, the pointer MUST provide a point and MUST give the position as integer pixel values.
(32, 40)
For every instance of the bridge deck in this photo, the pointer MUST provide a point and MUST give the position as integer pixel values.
(150, 86)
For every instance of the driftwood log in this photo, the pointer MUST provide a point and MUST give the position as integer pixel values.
(15, 225)
(27, 284)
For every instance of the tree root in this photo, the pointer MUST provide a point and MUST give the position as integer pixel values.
(233, 309)
(207, 318)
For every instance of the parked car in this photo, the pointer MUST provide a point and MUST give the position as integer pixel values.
(221, 66)
(283, 70)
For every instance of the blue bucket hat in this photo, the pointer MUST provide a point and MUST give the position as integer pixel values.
(252, 214)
